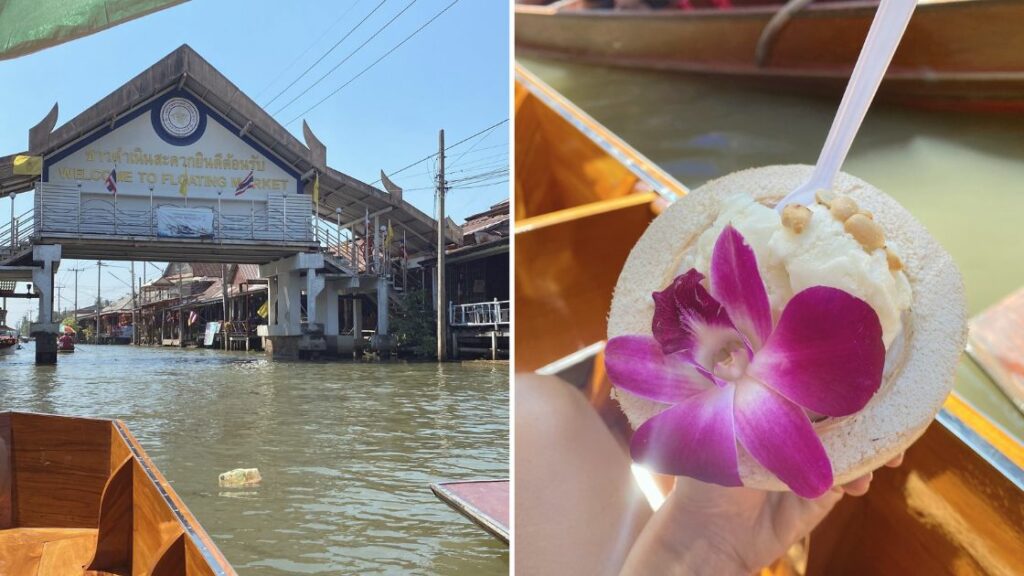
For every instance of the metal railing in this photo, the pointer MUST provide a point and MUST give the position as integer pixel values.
(17, 233)
(70, 209)
(494, 313)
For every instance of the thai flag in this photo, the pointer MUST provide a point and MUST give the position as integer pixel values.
(245, 184)
(112, 181)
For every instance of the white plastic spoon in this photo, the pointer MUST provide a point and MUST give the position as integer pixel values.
(884, 36)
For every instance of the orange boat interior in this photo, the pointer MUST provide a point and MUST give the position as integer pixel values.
(955, 506)
(79, 496)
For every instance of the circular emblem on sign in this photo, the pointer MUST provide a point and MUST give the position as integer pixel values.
(179, 117)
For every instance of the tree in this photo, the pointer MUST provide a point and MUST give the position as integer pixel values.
(413, 326)
(25, 327)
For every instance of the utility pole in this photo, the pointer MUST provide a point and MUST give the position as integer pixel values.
(58, 302)
(134, 305)
(442, 317)
(99, 301)
(76, 271)
(224, 304)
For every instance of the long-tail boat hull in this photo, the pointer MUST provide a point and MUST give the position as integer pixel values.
(955, 53)
(79, 496)
(955, 506)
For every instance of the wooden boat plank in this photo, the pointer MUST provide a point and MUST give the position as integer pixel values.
(567, 275)
(67, 556)
(6, 503)
(56, 461)
(81, 448)
(204, 545)
(113, 549)
(593, 193)
(996, 343)
(154, 526)
(31, 551)
(485, 502)
(944, 511)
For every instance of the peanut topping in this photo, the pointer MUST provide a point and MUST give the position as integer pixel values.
(842, 208)
(795, 217)
(866, 231)
(895, 264)
(825, 197)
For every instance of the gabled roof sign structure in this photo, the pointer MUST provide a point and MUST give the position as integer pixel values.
(184, 69)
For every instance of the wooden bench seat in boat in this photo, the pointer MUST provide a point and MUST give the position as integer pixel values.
(79, 497)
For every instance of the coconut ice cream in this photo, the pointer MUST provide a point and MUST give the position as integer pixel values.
(790, 352)
(820, 253)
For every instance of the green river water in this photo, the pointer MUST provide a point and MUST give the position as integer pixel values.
(347, 450)
(961, 174)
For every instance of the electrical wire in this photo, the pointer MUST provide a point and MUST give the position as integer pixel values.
(375, 62)
(324, 55)
(306, 51)
(434, 155)
(345, 59)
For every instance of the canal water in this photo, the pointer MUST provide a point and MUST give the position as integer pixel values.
(962, 175)
(347, 450)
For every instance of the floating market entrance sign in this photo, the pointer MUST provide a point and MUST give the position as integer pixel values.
(174, 138)
(137, 175)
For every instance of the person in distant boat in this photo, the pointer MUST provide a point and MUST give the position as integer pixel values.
(66, 341)
(579, 510)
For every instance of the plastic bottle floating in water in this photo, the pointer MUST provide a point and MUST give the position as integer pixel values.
(240, 477)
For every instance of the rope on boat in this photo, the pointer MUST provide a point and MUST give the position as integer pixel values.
(766, 43)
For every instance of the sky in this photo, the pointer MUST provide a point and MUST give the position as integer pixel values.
(453, 74)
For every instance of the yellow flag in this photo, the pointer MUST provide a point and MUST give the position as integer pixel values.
(263, 310)
(183, 185)
(316, 190)
(28, 165)
(390, 235)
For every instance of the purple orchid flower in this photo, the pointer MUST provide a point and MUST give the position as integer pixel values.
(729, 376)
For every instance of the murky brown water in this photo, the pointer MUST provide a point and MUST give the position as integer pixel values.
(346, 450)
(962, 175)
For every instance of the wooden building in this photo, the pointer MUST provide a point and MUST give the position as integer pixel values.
(477, 286)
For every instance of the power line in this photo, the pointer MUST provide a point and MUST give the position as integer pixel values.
(470, 149)
(345, 59)
(306, 51)
(324, 55)
(375, 62)
(434, 155)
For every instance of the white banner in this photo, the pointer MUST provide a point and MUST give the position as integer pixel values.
(180, 222)
(211, 330)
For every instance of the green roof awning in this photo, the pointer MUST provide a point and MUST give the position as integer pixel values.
(27, 26)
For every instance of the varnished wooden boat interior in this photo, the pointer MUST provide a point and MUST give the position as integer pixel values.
(579, 191)
(79, 496)
(955, 506)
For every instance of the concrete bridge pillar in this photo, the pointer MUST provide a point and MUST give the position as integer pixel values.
(382, 342)
(314, 287)
(357, 323)
(327, 311)
(287, 336)
(45, 330)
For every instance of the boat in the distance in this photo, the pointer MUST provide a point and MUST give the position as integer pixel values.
(955, 54)
(9, 341)
(80, 496)
(583, 198)
(66, 343)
